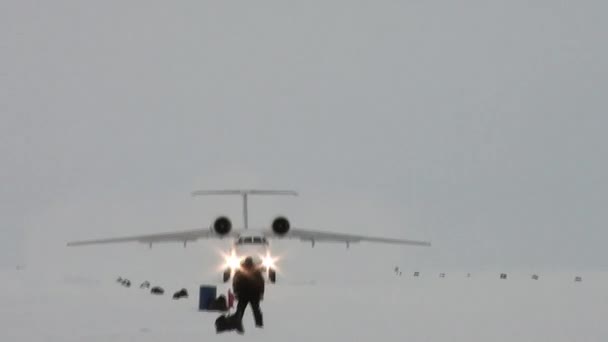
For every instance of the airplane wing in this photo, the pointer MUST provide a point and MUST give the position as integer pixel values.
(314, 236)
(183, 236)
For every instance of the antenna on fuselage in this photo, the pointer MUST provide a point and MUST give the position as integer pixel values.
(244, 194)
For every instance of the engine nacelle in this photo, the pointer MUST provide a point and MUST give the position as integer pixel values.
(222, 225)
(280, 226)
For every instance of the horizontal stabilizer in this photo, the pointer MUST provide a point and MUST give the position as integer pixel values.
(244, 192)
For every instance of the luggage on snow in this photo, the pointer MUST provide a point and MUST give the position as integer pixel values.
(219, 304)
(228, 323)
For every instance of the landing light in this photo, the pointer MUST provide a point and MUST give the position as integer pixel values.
(232, 261)
(268, 261)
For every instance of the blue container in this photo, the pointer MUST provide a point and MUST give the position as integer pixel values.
(206, 296)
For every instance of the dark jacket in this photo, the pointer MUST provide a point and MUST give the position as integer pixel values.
(248, 284)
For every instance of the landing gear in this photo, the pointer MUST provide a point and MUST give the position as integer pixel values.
(226, 275)
(272, 275)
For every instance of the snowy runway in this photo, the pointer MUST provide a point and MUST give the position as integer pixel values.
(482, 308)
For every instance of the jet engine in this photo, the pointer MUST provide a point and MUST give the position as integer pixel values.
(222, 225)
(280, 226)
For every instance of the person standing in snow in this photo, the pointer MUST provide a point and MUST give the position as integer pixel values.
(248, 287)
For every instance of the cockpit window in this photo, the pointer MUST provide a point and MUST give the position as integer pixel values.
(257, 240)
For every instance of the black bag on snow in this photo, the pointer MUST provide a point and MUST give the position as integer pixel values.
(226, 323)
(219, 304)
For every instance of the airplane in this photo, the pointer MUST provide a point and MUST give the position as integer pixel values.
(247, 242)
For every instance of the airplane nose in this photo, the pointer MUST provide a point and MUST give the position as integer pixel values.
(256, 259)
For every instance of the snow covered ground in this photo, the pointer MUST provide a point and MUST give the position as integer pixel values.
(78, 303)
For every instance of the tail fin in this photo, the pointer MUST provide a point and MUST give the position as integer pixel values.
(244, 194)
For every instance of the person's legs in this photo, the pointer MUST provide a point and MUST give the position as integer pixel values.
(238, 315)
(257, 313)
(240, 308)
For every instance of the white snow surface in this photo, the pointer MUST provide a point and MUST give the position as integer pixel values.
(79, 300)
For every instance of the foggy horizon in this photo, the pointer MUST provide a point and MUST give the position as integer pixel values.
(479, 126)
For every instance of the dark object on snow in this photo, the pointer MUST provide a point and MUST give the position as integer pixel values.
(503, 276)
(441, 275)
(229, 323)
(183, 293)
(416, 274)
(119, 280)
(468, 275)
(157, 290)
(534, 277)
(126, 282)
(145, 285)
(219, 304)
(578, 279)
(206, 296)
(248, 286)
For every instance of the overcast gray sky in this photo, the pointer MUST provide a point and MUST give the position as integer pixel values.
(477, 124)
